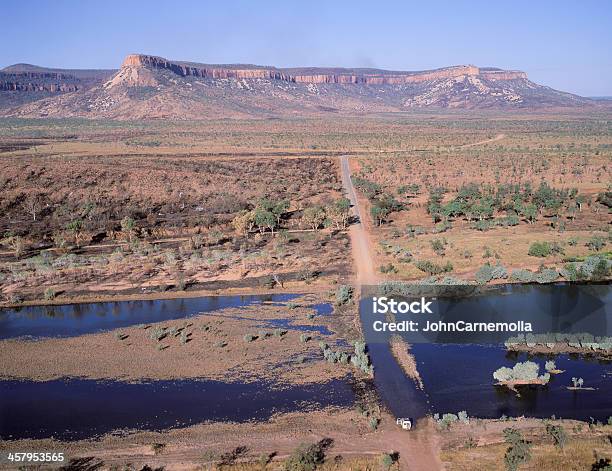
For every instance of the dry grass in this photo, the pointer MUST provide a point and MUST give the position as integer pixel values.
(579, 454)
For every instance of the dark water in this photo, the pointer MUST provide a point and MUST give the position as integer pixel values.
(78, 409)
(460, 377)
(78, 319)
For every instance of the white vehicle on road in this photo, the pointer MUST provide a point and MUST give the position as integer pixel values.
(404, 422)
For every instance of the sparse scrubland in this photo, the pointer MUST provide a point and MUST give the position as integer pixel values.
(102, 207)
(531, 206)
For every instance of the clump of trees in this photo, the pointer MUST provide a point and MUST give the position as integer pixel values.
(360, 358)
(479, 203)
(583, 341)
(523, 372)
(382, 204)
(266, 215)
(595, 267)
(543, 275)
(382, 207)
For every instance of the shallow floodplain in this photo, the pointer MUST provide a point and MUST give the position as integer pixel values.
(77, 409)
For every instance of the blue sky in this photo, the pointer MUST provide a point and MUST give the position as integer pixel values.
(562, 44)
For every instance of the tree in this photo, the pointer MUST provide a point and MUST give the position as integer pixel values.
(264, 219)
(33, 204)
(339, 212)
(128, 226)
(529, 212)
(314, 217)
(244, 222)
(280, 208)
(379, 214)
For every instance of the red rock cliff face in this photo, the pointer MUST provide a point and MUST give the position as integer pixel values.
(35, 81)
(503, 74)
(344, 76)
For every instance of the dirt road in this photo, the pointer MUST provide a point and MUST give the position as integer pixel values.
(418, 449)
(364, 267)
(499, 137)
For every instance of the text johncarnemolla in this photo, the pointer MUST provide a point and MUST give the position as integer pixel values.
(384, 305)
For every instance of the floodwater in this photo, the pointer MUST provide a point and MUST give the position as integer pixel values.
(72, 409)
(79, 319)
(76, 409)
(459, 377)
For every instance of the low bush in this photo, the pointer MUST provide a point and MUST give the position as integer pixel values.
(539, 249)
(306, 457)
(432, 268)
(519, 451)
(344, 295)
(558, 435)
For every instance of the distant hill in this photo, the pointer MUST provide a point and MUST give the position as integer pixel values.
(153, 87)
(25, 83)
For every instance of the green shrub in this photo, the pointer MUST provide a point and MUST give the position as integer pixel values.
(386, 460)
(540, 249)
(438, 246)
(523, 276)
(306, 457)
(432, 268)
(550, 365)
(344, 295)
(482, 225)
(558, 435)
(546, 275)
(249, 337)
(446, 420)
(484, 274)
(49, 294)
(373, 422)
(389, 268)
(596, 243)
(519, 451)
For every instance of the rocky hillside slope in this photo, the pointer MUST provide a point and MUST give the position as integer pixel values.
(153, 87)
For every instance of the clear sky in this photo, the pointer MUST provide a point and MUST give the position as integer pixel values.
(562, 44)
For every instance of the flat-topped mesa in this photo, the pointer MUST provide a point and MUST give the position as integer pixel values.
(315, 75)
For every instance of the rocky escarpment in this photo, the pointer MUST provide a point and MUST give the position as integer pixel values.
(148, 87)
(24, 83)
(38, 81)
(313, 75)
